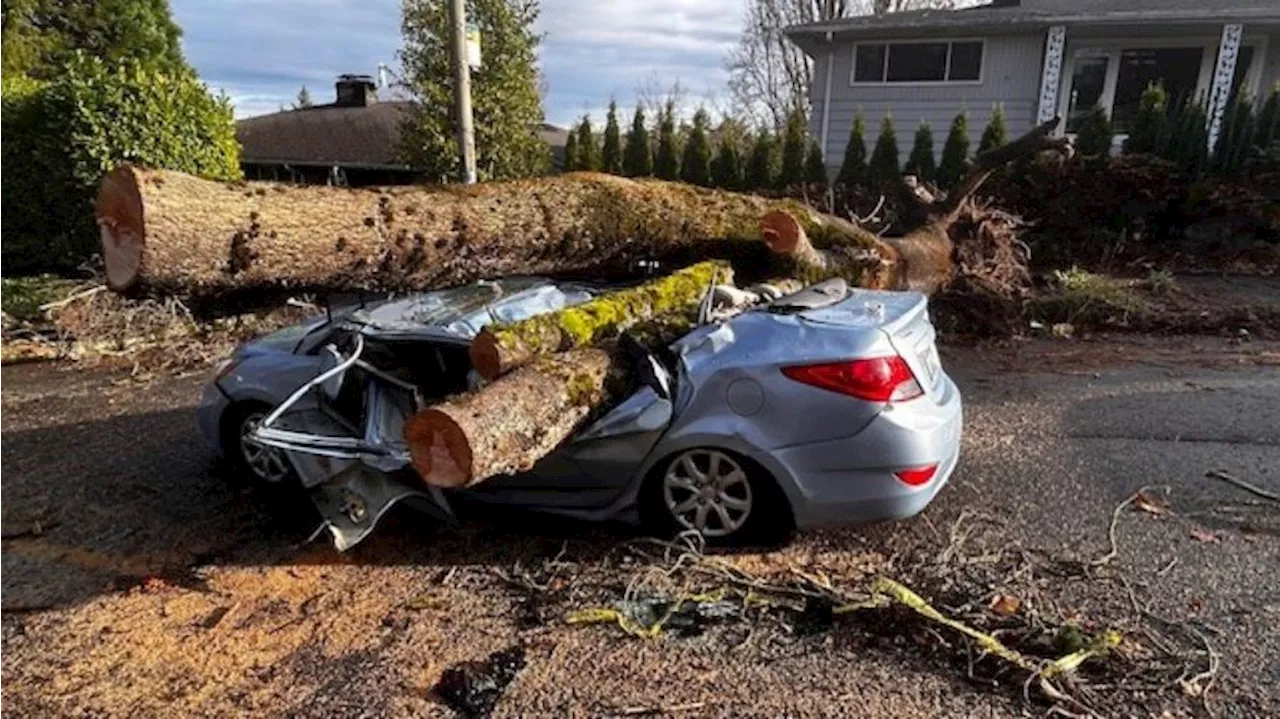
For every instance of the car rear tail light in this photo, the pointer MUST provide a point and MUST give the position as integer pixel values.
(877, 379)
(916, 476)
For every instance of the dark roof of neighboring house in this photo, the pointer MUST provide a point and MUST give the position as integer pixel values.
(350, 136)
(556, 138)
(1007, 15)
(359, 136)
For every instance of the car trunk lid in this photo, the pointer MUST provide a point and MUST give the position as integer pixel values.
(903, 317)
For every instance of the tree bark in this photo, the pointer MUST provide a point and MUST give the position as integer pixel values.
(501, 348)
(509, 425)
(165, 232)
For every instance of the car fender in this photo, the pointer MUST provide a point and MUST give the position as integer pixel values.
(243, 394)
(268, 377)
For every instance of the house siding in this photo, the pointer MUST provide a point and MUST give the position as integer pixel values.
(1010, 77)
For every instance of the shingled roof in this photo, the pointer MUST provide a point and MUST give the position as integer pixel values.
(361, 136)
(349, 136)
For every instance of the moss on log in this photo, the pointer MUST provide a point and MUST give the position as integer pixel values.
(512, 423)
(499, 349)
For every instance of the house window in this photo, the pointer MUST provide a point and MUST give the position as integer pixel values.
(1177, 67)
(1087, 84)
(868, 64)
(954, 61)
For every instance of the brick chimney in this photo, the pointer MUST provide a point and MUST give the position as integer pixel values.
(355, 91)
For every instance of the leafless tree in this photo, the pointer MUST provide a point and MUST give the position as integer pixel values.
(656, 92)
(768, 75)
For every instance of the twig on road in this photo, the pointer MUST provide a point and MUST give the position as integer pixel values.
(72, 298)
(671, 709)
(1246, 486)
(1111, 529)
(1193, 686)
(28, 529)
(21, 608)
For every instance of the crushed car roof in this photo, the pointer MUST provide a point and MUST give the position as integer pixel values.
(461, 312)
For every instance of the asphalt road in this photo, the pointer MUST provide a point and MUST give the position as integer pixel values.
(138, 579)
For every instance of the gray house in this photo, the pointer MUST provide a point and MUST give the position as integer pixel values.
(1036, 58)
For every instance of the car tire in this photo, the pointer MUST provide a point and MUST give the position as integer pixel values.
(262, 466)
(718, 485)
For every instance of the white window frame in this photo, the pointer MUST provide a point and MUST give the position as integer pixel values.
(1114, 47)
(853, 63)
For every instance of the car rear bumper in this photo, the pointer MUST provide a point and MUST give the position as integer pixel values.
(851, 480)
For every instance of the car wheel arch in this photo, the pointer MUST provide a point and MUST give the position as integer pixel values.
(731, 433)
(767, 470)
(229, 431)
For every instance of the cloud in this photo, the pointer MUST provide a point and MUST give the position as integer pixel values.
(260, 52)
(597, 50)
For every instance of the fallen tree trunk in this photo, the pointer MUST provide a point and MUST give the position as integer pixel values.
(166, 232)
(509, 425)
(499, 349)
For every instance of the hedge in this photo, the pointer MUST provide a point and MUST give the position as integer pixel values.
(64, 134)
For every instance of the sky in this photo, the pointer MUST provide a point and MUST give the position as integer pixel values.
(260, 52)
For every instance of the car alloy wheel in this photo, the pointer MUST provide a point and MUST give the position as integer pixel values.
(268, 463)
(708, 491)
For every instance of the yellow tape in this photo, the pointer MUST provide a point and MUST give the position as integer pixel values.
(1072, 661)
(599, 615)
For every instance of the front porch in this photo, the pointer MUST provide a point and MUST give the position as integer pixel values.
(1111, 65)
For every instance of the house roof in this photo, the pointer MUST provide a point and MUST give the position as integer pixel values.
(556, 137)
(1011, 16)
(349, 136)
(363, 136)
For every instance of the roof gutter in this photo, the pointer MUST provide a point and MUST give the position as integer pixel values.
(963, 20)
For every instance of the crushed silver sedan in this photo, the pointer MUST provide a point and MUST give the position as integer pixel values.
(828, 406)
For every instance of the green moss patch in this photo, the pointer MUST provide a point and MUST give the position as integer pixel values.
(22, 296)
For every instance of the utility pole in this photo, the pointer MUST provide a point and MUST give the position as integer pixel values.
(462, 91)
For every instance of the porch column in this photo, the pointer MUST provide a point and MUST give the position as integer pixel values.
(1051, 73)
(1223, 73)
